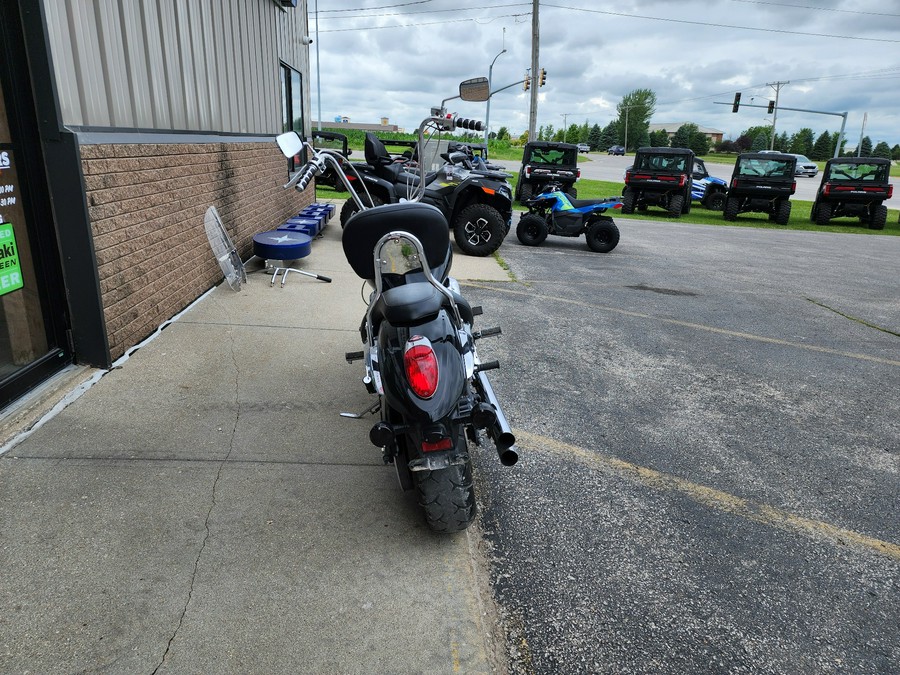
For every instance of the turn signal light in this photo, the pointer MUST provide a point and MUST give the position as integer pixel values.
(421, 366)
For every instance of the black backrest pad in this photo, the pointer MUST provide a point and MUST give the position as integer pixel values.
(365, 228)
(376, 153)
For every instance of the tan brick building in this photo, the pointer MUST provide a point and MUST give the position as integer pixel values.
(121, 124)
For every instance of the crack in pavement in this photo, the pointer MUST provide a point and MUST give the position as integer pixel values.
(852, 318)
(212, 505)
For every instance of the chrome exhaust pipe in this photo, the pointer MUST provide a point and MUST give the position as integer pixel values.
(500, 431)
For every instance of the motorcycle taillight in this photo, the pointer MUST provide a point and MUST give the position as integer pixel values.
(421, 366)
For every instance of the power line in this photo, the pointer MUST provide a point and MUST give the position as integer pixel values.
(372, 9)
(429, 23)
(721, 25)
(821, 9)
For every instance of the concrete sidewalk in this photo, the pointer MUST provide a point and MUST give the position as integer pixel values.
(203, 508)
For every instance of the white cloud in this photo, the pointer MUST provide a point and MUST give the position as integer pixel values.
(692, 53)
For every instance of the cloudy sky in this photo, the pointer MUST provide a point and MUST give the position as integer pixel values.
(397, 58)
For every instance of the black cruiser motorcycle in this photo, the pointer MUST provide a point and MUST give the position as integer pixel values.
(434, 399)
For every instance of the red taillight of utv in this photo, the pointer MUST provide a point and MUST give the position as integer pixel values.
(421, 366)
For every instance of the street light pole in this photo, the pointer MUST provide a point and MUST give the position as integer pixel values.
(487, 113)
(318, 72)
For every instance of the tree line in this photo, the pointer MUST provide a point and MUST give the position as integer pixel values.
(632, 123)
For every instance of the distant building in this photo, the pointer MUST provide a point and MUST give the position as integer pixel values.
(714, 135)
(342, 122)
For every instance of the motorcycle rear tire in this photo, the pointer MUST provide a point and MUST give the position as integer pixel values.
(447, 496)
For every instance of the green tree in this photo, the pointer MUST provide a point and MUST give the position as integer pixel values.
(760, 142)
(895, 152)
(866, 147)
(882, 150)
(573, 134)
(659, 138)
(682, 137)
(637, 108)
(822, 148)
(503, 134)
(700, 143)
(610, 135)
(595, 137)
(782, 143)
(802, 142)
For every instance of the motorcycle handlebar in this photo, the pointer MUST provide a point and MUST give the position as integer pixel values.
(471, 125)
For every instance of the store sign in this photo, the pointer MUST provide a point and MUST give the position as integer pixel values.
(10, 272)
(10, 210)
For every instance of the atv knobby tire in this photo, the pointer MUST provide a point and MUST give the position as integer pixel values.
(823, 213)
(350, 207)
(879, 217)
(602, 235)
(715, 201)
(732, 205)
(532, 229)
(676, 205)
(526, 192)
(479, 230)
(447, 497)
(628, 200)
(782, 212)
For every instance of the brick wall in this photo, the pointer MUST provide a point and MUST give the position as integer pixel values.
(146, 204)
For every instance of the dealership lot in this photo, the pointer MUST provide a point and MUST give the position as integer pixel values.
(709, 475)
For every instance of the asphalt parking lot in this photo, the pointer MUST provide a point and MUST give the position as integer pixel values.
(709, 428)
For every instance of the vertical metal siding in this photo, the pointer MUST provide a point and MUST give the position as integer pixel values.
(198, 65)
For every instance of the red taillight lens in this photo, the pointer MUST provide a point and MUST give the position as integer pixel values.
(421, 366)
(443, 444)
(890, 190)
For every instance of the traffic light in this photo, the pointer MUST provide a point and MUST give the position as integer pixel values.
(543, 77)
(771, 107)
(527, 82)
(737, 102)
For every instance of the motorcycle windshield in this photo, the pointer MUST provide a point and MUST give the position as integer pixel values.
(398, 258)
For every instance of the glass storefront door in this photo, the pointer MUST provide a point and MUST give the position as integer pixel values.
(32, 339)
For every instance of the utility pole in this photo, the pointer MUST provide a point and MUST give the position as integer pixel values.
(487, 114)
(862, 133)
(777, 87)
(565, 126)
(535, 42)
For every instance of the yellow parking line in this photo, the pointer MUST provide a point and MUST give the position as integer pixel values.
(688, 324)
(716, 499)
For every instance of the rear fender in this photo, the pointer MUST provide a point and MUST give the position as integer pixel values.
(444, 339)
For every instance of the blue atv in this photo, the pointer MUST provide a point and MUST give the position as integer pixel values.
(708, 190)
(555, 212)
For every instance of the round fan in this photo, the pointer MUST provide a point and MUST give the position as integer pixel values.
(224, 250)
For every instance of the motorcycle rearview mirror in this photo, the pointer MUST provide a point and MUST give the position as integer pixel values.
(290, 143)
(476, 89)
